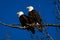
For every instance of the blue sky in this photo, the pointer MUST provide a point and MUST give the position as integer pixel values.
(9, 8)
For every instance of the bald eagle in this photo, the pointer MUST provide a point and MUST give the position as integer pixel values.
(25, 20)
(35, 16)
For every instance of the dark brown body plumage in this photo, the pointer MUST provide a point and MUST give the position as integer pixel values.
(36, 18)
(26, 20)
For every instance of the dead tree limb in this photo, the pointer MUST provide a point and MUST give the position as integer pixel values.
(13, 26)
(57, 8)
(24, 27)
(49, 37)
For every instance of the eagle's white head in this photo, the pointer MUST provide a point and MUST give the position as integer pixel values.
(20, 13)
(30, 8)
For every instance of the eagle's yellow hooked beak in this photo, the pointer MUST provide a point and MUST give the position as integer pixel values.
(18, 13)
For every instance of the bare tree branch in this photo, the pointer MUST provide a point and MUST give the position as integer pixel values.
(49, 37)
(57, 8)
(13, 26)
(24, 27)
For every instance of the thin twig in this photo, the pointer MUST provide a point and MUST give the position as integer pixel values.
(49, 37)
